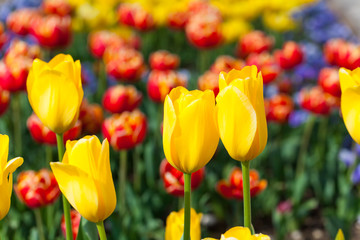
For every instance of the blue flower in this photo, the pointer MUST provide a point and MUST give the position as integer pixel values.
(347, 156)
(297, 118)
(355, 176)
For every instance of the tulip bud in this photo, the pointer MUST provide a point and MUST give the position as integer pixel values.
(203, 30)
(20, 20)
(58, 7)
(52, 31)
(127, 64)
(175, 225)
(125, 130)
(119, 98)
(91, 117)
(329, 80)
(100, 40)
(37, 189)
(233, 189)
(75, 222)
(241, 100)
(241, 233)
(315, 100)
(132, 14)
(178, 20)
(254, 42)
(174, 179)
(342, 54)
(278, 108)
(209, 80)
(226, 63)
(160, 83)
(41, 134)
(266, 63)
(290, 56)
(163, 60)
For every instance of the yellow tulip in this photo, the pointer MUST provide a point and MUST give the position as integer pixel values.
(280, 21)
(234, 29)
(84, 177)
(350, 99)
(6, 179)
(190, 135)
(240, 233)
(241, 113)
(55, 92)
(175, 225)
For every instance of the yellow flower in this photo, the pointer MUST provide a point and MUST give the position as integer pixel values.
(241, 113)
(85, 178)
(6, 179)
(279, 21)
(55, 92)
(234, 29)
(350, 100)
(175, 225)
(240, 233)
(190, 135)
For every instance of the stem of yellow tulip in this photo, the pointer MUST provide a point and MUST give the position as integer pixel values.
(39, 223)
(16, 111)
(101, 230)
(122, 180)
(246, 193)
(66, 205)
(187, 210)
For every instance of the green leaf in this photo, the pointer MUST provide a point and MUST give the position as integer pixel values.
(87, 230)
(340, 235)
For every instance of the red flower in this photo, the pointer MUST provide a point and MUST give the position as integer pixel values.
(125, 130)
(329, 80)
(342, 54)
(52, 31)
(285, 86)
(75, 222)
(254, 42)
(160, 83)
(37, 189)
(164, 60)
(134, 15)
(209, 80)
(4, 100)
(41, 134)
(125, 64)
(226, 63)
(203, 30)
(317, 101)
(58, 7)
(20, 20)
(265, 63)
(119, 98)
(178, 20)
(100, 40)
(290, 56)
(91, 117)
(174, 179)
(234, 188)
(278, 108)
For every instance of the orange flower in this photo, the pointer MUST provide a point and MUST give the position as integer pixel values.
(234, 188)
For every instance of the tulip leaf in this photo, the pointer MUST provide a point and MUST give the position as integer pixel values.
(87, 230)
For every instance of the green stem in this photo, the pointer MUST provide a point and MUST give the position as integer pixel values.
(101, 230)
(203, 61)
(66, 205)
(187, 210)
(48, 155)
(122, 180)
(246, 193)
(16, 111)
(137, 169)
(322, 134)
(304, 145)
(39, 223)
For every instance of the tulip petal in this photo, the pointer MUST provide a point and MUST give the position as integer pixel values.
(197, 137)
(350, 108)
(5, 197)
(11, 166)
(169, 123)
(58, 59)
(55, 102)
(349, 78)
(79, 189)
(4, 152)
(237, 122)
(238, 233)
